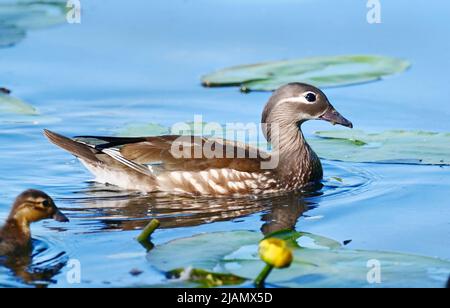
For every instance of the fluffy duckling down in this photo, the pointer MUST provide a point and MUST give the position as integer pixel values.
(30, 206)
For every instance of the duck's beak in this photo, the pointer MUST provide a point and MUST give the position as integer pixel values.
(334, 117)
(60, 217)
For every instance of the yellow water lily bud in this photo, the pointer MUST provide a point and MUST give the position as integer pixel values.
(275, 252)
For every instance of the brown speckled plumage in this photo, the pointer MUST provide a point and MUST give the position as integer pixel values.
(149, 163)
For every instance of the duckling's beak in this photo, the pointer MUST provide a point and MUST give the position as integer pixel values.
(331, 115)
(60, 217)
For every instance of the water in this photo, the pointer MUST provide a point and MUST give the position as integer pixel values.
(142, 63)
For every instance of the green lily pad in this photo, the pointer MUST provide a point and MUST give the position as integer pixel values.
(193, 247)
(396, 146)
(329, 71)
(14, 110)
(17, 17)
(10, 104)
(296, 239)
(33, 14)
(314, 265)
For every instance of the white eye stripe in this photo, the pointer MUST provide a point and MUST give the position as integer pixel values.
(297, 99)
(35, 200)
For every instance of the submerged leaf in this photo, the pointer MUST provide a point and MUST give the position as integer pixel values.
(205, 279)
(137, 130)
(236, 253)
(10, 35)
(397, 146)
(329, 71)
(185, 128)
(338, 179)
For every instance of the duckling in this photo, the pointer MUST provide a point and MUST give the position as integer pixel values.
(30, 206)
(180, 164)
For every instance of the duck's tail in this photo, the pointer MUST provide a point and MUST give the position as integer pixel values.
(106, 162)
(81, 150)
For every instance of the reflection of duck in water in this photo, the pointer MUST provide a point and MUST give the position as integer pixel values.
(280, 211)
(30, 206)
(285, 215)
(37, 268)
(211, 166)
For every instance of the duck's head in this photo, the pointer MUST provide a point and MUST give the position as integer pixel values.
(34, 205)
(295, 103)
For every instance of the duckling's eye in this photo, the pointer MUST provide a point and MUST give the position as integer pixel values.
(45, 203)
(310, 97)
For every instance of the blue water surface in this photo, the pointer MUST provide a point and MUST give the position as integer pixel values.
(141, 61)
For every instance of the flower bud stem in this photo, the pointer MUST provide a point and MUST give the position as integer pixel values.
(260, 280)
(144, 237)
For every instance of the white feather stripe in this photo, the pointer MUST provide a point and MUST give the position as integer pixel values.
(115, 154)
(191, 180)
(215, 174)
(217, 188)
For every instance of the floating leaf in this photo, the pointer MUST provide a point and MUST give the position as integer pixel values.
(16, 18)
(33, 14)
(10, 104)
(295, 238)
(396, 146)
(348, 268)
(330, 71)
(192, 248)
(236, 253)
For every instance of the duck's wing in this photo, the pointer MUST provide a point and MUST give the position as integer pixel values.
(148, 155)
(175, 152)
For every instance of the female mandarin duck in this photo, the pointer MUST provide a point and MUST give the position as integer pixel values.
(30, 206)
(153, 164)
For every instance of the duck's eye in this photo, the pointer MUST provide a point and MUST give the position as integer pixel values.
(46, 203)
(310, 97)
